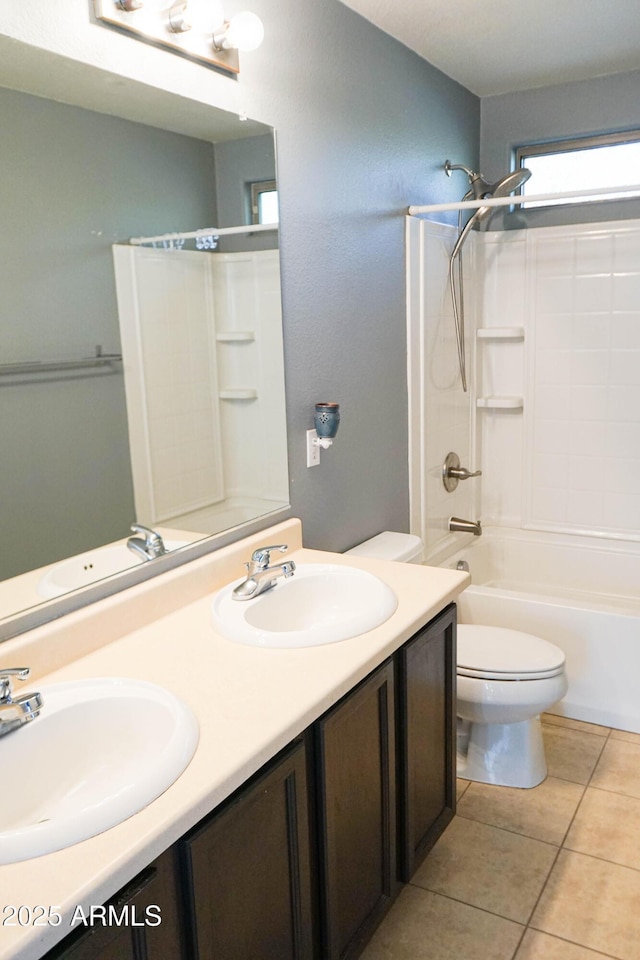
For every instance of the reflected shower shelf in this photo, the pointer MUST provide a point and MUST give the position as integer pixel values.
(500, 333)
(242, 393)
(235, 336)
(500, 403)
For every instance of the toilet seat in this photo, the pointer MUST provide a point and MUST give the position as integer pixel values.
(497, 653)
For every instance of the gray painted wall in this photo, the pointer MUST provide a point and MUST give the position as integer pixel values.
(239, 163)
(74, 182)
(363, 128)
(560, 112)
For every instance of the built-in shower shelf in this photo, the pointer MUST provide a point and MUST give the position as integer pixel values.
(241, 393)
(500, 333)
(500, 403)
(235, 336)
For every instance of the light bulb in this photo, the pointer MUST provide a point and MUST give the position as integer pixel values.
(204, 16)
(244, 32)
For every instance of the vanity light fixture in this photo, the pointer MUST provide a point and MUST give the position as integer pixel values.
(194, 28)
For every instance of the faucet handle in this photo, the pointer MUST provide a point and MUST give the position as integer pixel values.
(150, 535)
(452, 472)
(5, 680)
(262, 556)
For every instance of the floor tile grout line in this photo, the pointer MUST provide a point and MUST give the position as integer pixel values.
(515, 833)
(594, 856)
(575, 943)
(465, 903)
(543, 887)
(562, 847)
(616, 793)
(588, 733)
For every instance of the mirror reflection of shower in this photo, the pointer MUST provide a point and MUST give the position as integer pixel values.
(480, 189)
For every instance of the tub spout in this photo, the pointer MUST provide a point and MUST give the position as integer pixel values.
(456, 525)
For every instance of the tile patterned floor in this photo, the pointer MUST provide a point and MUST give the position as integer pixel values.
(551, 873)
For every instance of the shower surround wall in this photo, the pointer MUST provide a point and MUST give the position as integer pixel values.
(568, 462)
(553, 412)
(439, 410)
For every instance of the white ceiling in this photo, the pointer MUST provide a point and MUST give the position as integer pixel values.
(498, 46)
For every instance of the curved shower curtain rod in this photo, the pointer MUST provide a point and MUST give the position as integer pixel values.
(518, 199)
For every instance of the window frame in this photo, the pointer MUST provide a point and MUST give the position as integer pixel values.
(571, 145)
(258, 187)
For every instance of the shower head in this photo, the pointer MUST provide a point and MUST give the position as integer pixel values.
(479, 190)
(483, 190)
(510, 182)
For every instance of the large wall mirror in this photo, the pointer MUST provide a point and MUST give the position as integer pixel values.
(138, 383)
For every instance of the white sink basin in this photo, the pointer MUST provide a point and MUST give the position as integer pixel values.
(99, 752)
(86, 568)
(321, 603)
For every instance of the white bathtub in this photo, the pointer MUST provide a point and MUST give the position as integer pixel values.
(582, 594)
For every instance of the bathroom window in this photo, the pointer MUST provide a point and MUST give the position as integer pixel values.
(264, 202)
(612, 160)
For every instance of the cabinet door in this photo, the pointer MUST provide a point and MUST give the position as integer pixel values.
(355, 753)
(141, 921)
(247, 871)
(426, 738)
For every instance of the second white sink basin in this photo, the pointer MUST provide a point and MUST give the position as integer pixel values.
(100, 751)
(321, 603)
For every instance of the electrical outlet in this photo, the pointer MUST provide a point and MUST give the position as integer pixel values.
(313, 450)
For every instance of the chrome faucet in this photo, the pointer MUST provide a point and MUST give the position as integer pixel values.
(260, 576)
(150, 547)
(15, 712)
(456, 525)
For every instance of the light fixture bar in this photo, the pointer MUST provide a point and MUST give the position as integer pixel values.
(148, 24)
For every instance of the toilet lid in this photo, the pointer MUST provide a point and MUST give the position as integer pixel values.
(496, 653)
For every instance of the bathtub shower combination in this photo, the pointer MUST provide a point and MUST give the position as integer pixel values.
(552, 418)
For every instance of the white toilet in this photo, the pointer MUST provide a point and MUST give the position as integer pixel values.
(506, 679)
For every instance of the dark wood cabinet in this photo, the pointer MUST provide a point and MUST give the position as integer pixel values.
(140, 922)
(247, 871)
(355, 762)
(304, 860)
(426, 723)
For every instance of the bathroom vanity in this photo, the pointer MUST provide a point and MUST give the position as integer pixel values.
(322, 777)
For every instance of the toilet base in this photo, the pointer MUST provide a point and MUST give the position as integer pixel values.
(505, 754)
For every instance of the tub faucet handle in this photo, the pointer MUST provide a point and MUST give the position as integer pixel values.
(452, 472)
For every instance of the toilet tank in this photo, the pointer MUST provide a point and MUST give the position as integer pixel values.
(403, 547)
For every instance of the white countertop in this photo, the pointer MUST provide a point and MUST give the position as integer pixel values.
(249, 702)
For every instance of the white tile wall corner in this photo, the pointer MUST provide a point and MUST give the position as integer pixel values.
(165, 306)
(247, 299)
(439, 410)
(569, 462)
(500, 372)
(185, 453)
